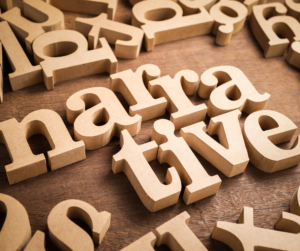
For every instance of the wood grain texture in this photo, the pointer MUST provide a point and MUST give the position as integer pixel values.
(93, 181)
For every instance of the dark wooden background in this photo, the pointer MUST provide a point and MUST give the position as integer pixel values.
(93, 181)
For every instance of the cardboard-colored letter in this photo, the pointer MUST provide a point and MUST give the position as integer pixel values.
(295, 203)
(24, 74)
(66, 235)
(37, 242)
(92, 7)
(230, 156)
(133, 87)
(293, 8)
(235, 91)
(46, 18)
(145, 243)
(133, 161)
(126, 38)
(262, 131)
(272, 29)
(25, 164)
(6, 4)
(293, 56)
(182, 110)
(50, 50)
(192, 6)
(175, 151)
(229, 19)
(177, 235)
(245, 236)
(16, 231)
(163, 21)
(106, 108)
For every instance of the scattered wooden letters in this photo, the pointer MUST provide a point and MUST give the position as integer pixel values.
(133, 161)
(245, 236)
(230, 156)
(65, 234)
(176, 152)
(126, 38)
(163, 21)
(93, 7)
(105, 108)
(235, 91)
(24, 74)
(183, 112)
(268, 22)
(64, 55)
(175, 234)
(46, 18)
(133, 87)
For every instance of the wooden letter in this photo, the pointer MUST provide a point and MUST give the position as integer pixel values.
(272, 29)
(229, 19)
(6, 4)
(182, 110)
(133, 161)
(92, 7)
(132, 86)
(163, 21)
(177, 235)
(295, 203)
(66, 235)
(24, 74)
(50, 51)
(230, 156)
(245, 236)
(175, 151)
(145, 243)
(106, 108)
(25, 164)
(16, 231)
(262, 131)
(293, 56)
(192, 6)
(293, 8)
(235, 92)
(46, 18)
(126, 38)
(37, 242)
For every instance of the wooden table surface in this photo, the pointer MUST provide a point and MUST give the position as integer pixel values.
(93, 181)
